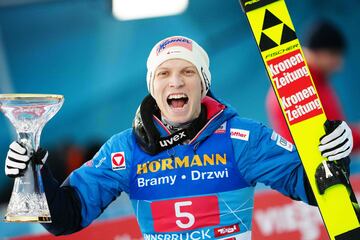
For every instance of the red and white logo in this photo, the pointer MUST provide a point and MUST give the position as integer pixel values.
(223, 231)
(221, 129)
(296, 91)
(240, 134)
(118, 161)
(174, 42)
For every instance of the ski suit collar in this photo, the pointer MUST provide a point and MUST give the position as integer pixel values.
(217, 114)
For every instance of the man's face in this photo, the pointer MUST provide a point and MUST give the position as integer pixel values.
(177, 90)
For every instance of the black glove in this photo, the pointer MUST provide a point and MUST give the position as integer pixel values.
(18, 159)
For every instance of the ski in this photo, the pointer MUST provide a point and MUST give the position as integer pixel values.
(283, 57)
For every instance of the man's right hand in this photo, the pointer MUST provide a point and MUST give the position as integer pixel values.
(17, 159)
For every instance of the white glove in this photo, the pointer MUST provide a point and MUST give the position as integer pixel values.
(17, 159)
(338, 143)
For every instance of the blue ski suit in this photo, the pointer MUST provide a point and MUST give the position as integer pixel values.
(203, 189)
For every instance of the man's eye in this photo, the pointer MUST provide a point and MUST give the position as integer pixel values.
(189, 72)
(162, 74)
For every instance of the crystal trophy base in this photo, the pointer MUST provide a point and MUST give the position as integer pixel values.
(36, 208)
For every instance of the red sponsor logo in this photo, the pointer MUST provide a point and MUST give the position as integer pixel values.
(223, 231)
(239, 134)
(118, 161)
(185, 213)
(221, 129)
(292, 81)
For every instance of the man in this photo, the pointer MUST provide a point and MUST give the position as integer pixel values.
(189, 164)
(324, 51)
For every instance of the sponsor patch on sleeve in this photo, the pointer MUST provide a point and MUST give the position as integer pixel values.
(282, 142)
(118, 161)
(240, 134)
(274, 136)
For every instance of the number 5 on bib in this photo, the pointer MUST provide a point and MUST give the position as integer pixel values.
(177, 215)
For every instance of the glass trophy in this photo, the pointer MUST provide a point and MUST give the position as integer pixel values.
(29, 113)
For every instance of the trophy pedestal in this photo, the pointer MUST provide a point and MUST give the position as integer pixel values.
(28, 207)
(36, 219)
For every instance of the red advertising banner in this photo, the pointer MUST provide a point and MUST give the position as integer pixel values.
(278, 217)
(119, 229)
(275, 217)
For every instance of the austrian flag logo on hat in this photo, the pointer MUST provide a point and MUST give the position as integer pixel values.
(118, 161)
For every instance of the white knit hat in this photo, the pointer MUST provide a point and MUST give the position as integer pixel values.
(183, 48)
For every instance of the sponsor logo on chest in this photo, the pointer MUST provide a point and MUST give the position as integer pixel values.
(174, 139)
(169, 171)
(240, 134)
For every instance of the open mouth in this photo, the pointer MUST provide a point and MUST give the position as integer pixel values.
(177, 100)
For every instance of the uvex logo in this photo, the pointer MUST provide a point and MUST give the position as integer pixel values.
(175, 138)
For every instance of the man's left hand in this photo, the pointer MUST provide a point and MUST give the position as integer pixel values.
(337, 144)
